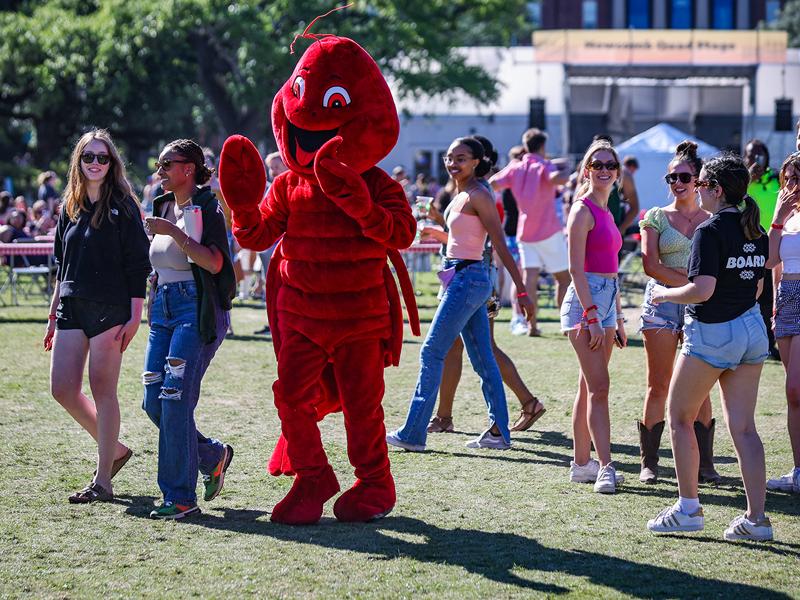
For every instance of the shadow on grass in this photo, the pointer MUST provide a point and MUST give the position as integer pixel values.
(498, 557)
(248, 338)
(777, 503)
(557, 438)
(779, 548)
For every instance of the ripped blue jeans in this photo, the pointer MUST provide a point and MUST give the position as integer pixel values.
(175, 361)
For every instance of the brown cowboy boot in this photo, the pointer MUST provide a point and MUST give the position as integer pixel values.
(705, 444)
(649, 441)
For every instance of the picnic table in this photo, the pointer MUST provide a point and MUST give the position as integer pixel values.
(13, 273)
(416, 249)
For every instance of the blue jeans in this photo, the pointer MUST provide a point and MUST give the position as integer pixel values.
(461, 311)
(175, 361)
(666, 316)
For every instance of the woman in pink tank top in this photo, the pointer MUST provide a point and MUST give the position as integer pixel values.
(462, 311)
(591, 315)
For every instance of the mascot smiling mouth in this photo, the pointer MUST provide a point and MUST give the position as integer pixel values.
(304, 143)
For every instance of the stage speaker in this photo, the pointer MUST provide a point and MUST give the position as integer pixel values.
(783, 114)
(536, 114)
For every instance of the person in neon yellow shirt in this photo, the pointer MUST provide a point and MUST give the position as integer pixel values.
(764, 187)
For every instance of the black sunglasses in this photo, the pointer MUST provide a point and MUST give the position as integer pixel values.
(598, 165)
(672, 178)
(709, 183)
(88, 158)
(167, 163)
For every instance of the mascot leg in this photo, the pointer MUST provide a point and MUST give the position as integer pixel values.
(328, 402)
(300, 365)
(359, 373)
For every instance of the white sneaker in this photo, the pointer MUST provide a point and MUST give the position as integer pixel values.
(519, 328)
(788, 483)
(741, 528)
(488, 440)
(672, 519)
(394, 440)
(588, 473)
(606, 482)
(584, 473)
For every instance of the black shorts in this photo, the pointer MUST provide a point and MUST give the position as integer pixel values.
(93, 318)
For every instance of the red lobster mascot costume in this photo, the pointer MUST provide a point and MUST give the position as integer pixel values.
(332, 300)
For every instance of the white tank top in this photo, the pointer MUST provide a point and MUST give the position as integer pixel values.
(790, 252)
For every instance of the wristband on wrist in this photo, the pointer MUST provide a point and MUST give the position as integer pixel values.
(777, 226)
(622, 318)
(592, 321)
(51, 317)
(522, 295)
(586, 310)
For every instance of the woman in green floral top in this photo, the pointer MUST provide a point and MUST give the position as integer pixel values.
(666, 242)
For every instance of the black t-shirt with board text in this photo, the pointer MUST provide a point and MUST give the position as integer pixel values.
(720, 249)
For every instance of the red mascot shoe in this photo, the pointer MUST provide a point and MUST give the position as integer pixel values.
(366, 500)
(303, 504)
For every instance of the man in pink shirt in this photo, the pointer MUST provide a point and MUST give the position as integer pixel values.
(533, 181)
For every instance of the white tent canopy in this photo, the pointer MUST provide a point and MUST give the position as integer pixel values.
(654, 148)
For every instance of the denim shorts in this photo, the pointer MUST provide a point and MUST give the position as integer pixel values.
(726, 345)
(786, 321)
(666, 316)
(93, 318)
(604, 296)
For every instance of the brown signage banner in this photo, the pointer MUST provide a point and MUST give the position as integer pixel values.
(659, 46)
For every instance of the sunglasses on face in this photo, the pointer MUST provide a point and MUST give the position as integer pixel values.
(167, 163)
(709, 183)
(673, 178)
(88, 158)
(597, 165)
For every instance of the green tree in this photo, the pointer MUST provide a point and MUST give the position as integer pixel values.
(790, 21)
(151, 70)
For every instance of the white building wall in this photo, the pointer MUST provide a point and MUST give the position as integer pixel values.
(431, 123)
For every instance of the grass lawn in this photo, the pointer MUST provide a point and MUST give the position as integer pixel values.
(467, 523)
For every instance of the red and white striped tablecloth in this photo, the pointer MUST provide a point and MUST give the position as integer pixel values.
(424, 248)
(32, 249)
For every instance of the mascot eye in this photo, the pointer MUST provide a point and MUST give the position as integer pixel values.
(336, 97)
(299, 87)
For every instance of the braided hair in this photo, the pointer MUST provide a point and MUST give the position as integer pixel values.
(191, 151)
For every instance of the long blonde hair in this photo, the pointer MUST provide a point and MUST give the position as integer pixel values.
(597, 146)
(115, 186)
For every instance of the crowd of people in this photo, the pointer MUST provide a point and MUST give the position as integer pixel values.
(728, 237)
(709, 257)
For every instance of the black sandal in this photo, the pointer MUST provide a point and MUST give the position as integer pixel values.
(118, 463)
(91, 493)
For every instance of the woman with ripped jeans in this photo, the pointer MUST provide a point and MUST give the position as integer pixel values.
(192, 291)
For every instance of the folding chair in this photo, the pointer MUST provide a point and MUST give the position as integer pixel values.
(29, 279)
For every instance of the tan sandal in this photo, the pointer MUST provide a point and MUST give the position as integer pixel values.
(528, 416)
(441, 425)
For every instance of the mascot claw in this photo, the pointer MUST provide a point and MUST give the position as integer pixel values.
(241, 173)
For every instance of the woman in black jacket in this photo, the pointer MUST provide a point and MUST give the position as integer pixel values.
(101, 252)
(193, 287)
